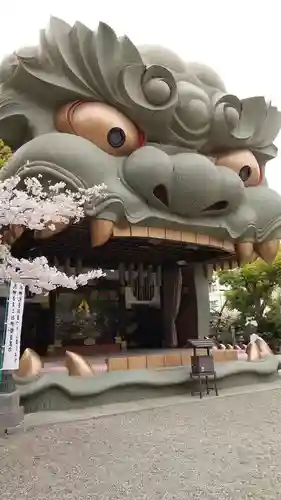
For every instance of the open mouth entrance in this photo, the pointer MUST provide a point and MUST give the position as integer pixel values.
(129, 244)
(127, 308)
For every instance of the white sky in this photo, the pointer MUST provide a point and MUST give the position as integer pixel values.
(240, 39)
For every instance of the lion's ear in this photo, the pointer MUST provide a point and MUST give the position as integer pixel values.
(15, 126)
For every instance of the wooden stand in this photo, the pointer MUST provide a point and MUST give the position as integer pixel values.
(202, 367)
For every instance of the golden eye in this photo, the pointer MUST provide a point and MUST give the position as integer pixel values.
(244, 163)
(101, 124)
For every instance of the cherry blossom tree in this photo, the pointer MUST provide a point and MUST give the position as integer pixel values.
(44, 210)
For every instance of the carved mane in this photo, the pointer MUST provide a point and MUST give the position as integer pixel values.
(172, 101)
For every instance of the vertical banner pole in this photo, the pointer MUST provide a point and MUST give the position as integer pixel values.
(11, 413)
(3, 336)
(12, 332)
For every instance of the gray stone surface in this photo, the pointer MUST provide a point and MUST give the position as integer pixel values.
(11, 413)
(227, 448)
(184, 111)
(9, 401)
(44, 418)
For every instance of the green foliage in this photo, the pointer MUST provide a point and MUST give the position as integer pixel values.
(254, 291)
(5, 153)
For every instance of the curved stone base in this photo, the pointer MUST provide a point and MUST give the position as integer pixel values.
(11, 413)
(56, 391)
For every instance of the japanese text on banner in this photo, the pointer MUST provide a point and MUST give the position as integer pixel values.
(13, 326)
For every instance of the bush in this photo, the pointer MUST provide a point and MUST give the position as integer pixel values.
(5, 153)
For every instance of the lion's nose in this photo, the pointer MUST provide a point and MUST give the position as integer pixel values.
(160, 192)
(199, 187)
(187, 184)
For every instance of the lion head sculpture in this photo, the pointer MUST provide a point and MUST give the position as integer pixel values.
(174, 148)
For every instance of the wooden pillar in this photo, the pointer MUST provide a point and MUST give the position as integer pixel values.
(193, 320)
(122, 300)
(171, 290)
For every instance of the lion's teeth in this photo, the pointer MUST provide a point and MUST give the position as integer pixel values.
(244, 252)
(268, 250)
(100, 230)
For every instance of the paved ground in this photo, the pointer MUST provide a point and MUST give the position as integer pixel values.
(220, 448)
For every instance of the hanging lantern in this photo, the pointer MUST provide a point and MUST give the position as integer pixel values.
(56, 262)
(158, 276)
(79, 266)
(131, 275)
(141, 275)
(150, 282)
(67, 267)
(122, 277)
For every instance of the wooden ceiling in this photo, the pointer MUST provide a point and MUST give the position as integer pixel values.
(74, 244)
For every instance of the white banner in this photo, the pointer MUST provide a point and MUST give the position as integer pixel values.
(13, 326)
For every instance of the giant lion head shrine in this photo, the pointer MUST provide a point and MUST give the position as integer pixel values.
(183, 160)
